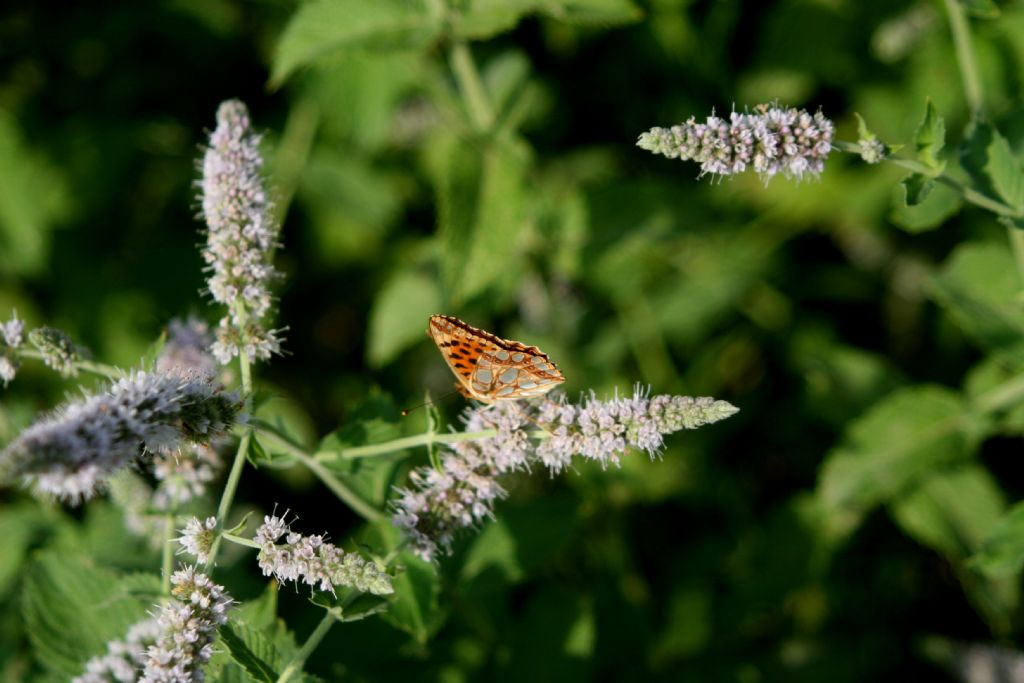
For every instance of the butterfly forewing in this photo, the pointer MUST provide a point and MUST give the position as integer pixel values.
(489, 368)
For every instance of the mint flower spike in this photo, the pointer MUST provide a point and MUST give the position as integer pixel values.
(59, 352)
(72, 453)
(772, 140)
(241, 236)
(12, 336)
(463, 490)
(188, 348)
(125, 659)
(188, 626)
(315, 562)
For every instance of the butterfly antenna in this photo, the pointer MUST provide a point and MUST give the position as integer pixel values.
(406, 411)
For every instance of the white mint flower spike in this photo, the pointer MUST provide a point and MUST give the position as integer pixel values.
(188, 626)
(772, 140)
(125, 659)
(314, 561)
(462, 492)
(72, 453)
(241, 236)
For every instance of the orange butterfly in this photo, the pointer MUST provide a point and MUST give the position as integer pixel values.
(489, 368)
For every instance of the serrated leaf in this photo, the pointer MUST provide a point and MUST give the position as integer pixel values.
(413, 608)
(978, 287)
(930, 138)
(1002, 553)
(908, 436)
(72, 608)
(916, 189)
(251, 650)
(399, 316)
(260, 612)
(331, 27)
(1004, 170)
(974, 153)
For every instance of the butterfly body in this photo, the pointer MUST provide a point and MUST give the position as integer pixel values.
(489, 368)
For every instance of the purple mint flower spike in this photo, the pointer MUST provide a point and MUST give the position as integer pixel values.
(462, 491)
(241, 236)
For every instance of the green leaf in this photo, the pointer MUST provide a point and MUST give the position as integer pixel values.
(371, 478)
(243, 643)
(399, 316)
(930, 138)
(983, 9)
(991, 163)
(929, 210)
(483, 19)
(1004, 170)
(978, 287)
(72, 608)
(916, 189)
(414, 606)
(481, 212)
(1002, 553)
(32, 199)
(19, 523)
(593, 12)
(260, 612)
(952, 512)
(331, 27)
(903, 439)
(520, 541)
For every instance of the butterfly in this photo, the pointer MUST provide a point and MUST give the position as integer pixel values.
(489, 368)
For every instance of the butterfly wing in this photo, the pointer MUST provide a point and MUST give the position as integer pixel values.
(489, 368)
(518, 371)
(460, 348)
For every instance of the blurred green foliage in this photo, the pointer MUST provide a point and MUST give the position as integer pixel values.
(476, 158)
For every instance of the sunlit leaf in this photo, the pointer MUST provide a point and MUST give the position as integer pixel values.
(330, 27)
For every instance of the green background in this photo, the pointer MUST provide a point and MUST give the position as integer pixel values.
(823, 533)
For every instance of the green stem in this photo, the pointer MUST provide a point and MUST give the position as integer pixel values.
(339, 488)
(167, 563)
(425, 439)
(965, 55)
(472, 88)
(297, 662)
(271, 435)
(228, 496)
(85, 365)
(971, 195)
